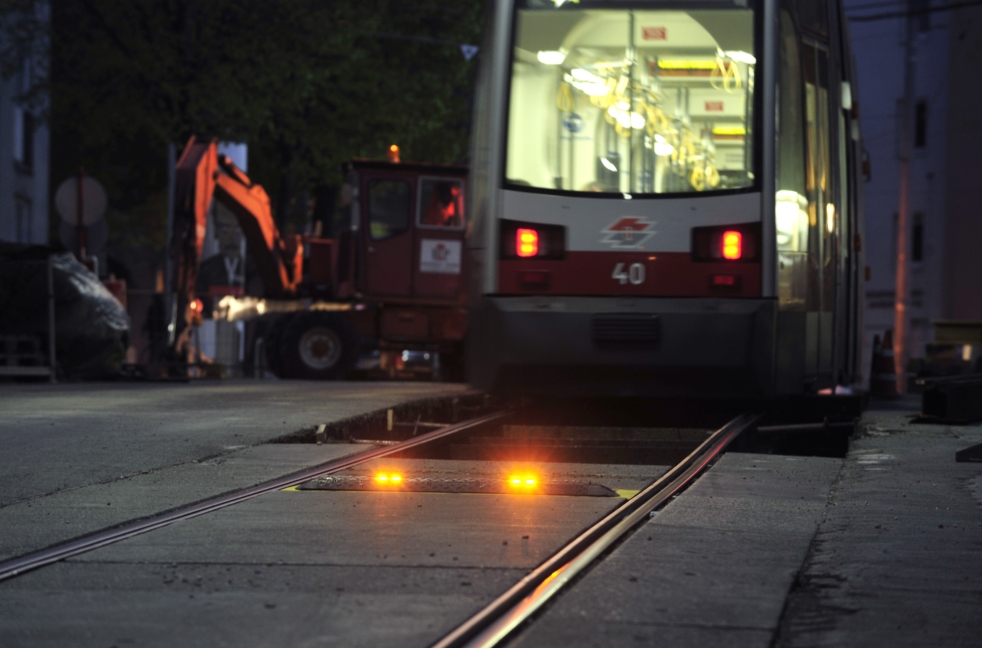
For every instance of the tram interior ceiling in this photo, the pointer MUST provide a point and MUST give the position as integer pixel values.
(633, 100)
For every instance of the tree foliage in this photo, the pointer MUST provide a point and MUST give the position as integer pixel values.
(306, 83)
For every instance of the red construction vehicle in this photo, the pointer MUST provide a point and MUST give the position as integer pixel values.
(391, 279)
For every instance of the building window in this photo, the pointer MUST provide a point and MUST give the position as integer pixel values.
(920, 123)
(917, 238)
(23, 215)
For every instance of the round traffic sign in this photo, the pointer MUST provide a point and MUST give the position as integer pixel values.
(93, 200)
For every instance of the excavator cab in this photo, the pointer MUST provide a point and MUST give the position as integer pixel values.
(402, 233)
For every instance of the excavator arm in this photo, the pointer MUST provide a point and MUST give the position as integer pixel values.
(202, 175)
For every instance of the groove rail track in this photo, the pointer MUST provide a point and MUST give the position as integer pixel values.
(496, 622)
(17, 566)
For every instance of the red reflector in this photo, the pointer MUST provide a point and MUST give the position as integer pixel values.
(526, 242)
(725, 283)
(732, 245)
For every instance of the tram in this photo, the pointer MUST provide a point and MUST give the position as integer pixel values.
(665, 200)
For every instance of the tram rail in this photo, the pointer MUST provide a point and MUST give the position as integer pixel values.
(497, 621)
(17, 566)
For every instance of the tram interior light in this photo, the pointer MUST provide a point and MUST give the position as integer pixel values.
(608, 164)
(587, 82)
(526, 242)
(741, 57)
(625, 119)
(551, 57)
(662, 147)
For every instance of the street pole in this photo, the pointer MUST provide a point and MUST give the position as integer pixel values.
(79, 216)
(901, 317)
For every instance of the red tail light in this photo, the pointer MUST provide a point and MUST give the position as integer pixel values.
(732, 245)
(532, 241)
(737, 242)
(526, 242)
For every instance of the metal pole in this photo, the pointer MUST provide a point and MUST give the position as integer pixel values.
(169, 287)
(900, 318)
(79, 212)
(51, 320)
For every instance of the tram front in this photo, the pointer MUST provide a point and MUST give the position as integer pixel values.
(617, 198)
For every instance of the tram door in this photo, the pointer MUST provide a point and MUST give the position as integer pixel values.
(821, 182)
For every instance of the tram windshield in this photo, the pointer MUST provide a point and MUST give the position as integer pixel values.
(640, 101)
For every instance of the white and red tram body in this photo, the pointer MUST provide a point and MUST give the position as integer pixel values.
(665, 199)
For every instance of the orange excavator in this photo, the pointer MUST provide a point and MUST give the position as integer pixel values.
(389, 280)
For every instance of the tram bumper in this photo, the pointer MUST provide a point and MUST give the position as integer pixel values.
(601, 346)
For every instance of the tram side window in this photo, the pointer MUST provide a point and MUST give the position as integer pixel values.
(388, 208)
(791, 206)
(821, 206)
(441, 203)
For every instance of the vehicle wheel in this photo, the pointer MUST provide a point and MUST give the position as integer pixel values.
(320, 346)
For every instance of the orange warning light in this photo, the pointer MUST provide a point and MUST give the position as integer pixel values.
(526, 242)
(523, 482)
(393, 154)
(732, 245)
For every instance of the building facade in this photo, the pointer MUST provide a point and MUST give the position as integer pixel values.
(945, 228)
(24, 149)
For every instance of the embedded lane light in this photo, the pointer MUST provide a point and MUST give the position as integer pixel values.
(523, 482)
(526, 242)
(388, 479)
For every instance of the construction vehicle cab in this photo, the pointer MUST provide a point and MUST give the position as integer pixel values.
(389, 279)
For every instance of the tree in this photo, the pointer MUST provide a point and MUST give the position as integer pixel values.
(306, 83)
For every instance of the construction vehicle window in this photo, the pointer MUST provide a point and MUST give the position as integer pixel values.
(441, 203)
(388, 208)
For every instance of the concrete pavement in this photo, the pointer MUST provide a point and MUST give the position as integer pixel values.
(79, 457)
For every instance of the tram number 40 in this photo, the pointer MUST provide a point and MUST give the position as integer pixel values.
(634, 274)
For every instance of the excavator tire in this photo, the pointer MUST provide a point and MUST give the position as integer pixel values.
(318, 346)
